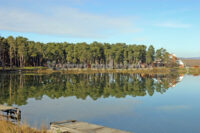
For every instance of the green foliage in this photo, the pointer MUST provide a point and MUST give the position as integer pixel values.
(162, 54)
(20, 52)
(150, 55)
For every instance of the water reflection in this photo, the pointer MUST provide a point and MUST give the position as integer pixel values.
(18, 88)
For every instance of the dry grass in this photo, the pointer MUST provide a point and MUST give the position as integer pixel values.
(157, 70)
(192, 71)
(8, 127)
(90, 71)
(191, 62)
(195, 69)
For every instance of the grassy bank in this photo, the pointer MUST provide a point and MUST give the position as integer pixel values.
(90, 70)
(8, 127)
(156, 70)
(191, 70)
(23, 69)
(161, 70)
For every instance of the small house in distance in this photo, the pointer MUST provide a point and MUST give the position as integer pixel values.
(176, 60)
(172, 61)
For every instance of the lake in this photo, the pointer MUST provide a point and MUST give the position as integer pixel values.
(133, 102)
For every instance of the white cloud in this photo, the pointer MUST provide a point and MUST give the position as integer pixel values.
(174, 25)
(64, 21)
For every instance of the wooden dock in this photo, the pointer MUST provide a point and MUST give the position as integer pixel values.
(73, 126)
(11, 111)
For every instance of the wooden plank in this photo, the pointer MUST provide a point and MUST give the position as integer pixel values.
(5, 108)
(81, 127)
(62, 122)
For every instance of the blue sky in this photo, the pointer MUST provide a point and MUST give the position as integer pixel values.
(172, 24)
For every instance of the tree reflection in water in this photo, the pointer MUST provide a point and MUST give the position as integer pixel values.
(17, 88)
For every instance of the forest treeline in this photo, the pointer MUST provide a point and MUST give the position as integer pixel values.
(20, 52)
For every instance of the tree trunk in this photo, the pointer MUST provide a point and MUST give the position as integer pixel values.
(10, 62)
(20, 59)
(3, 63)
(10, 90)
(15, 59)
(33, 61)
(40, 62)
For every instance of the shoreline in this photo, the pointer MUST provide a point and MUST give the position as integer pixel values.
(156, 70)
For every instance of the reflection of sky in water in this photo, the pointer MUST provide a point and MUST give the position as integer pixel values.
(175, 111)
(72, 108)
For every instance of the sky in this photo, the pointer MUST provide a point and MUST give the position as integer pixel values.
(171, 24)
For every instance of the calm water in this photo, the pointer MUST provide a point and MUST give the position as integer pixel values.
(131, 102)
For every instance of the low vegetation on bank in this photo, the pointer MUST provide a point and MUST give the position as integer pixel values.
(156, 70)
(9, 127)
(192, 70)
